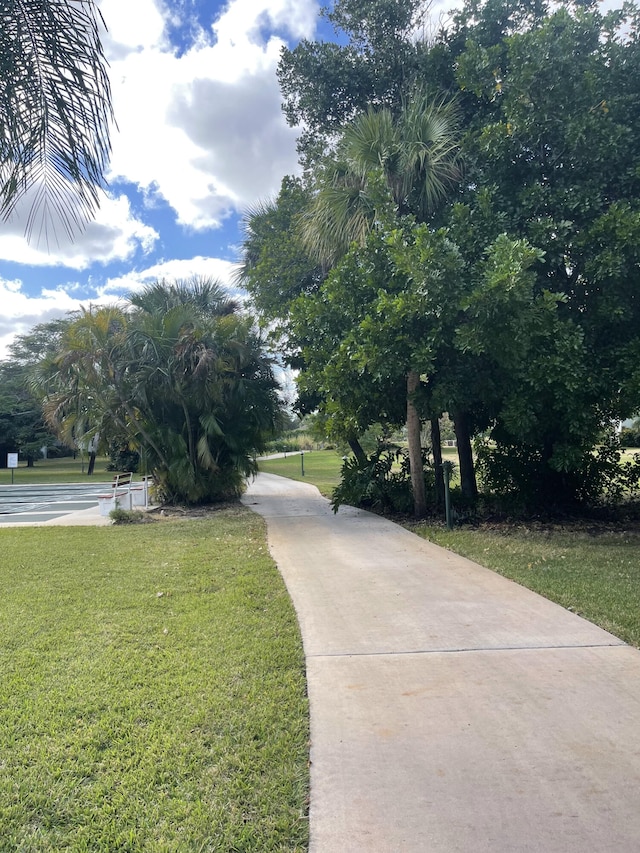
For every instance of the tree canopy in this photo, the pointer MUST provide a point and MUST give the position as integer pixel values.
(178, 374)
(518, 293)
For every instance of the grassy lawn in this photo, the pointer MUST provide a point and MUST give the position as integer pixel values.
(65, 470)
(596, 575)
(321, 469)
(152, 694)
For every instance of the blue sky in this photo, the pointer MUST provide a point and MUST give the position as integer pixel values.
(201, 137)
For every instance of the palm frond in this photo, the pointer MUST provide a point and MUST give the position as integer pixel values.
(55, 111)
(387, 166)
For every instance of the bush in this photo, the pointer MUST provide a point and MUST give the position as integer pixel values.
(293, 442)
(520, 475)
(381, 482)
(127, 516)
(122, 458)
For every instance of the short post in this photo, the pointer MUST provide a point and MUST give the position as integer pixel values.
(447, 468)
(302, 461)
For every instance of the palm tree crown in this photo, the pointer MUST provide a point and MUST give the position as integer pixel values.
(385, 167)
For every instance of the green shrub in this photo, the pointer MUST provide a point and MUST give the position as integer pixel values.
(381, 482)
(293, 442)
(127, 516)
(122, 458)
(521, 476)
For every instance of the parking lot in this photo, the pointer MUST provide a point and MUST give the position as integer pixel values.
(39, 504)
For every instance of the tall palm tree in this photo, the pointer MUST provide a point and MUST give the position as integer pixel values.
(203, 387)
(55, 111)
(386, 167)
(85, 400)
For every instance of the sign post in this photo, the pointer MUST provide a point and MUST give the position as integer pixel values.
(12, 462)
(447, 468)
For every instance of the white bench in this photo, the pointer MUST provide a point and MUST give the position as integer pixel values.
(120, 495)
(125, 494)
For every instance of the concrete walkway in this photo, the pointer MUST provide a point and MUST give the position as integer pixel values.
(451, 709)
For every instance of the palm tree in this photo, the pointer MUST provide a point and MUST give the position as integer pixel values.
(181, 375)
(55, 111)
(85, 400)
(386, 168)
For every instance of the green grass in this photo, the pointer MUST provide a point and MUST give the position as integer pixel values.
(321, 469)
(596, 575)
(65, 470)
(152, 694)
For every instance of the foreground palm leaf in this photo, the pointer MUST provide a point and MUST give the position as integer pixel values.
(55, 112)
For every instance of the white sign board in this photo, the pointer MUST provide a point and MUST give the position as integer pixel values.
(12, 460)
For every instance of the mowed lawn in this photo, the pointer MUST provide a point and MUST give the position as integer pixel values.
(66, 470)
(152, 690)
(321, 468)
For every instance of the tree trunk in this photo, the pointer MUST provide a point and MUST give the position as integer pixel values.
(415, 448)
(356, 449)
(436, 446)
(465, 456)
(92, 463)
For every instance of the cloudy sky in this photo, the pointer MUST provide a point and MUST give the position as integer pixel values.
(200, 138)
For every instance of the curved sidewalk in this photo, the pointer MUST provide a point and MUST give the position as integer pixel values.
(451, 709)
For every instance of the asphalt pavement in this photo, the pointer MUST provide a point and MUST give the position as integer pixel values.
(52, 504)
(451, 709)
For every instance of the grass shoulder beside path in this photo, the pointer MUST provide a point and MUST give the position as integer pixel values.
(153, 693)
(593, 572)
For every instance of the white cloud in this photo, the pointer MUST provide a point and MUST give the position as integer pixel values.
(184, 269)
(114, 235)
(253, 20)
(21, 312)
(131, 26)
(204, 129)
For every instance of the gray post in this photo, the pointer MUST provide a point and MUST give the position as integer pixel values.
(447, 468)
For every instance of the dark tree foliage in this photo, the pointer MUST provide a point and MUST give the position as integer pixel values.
(276, 268)
(541, 345)
(324, 85)
(22, 425)
(553, 155)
